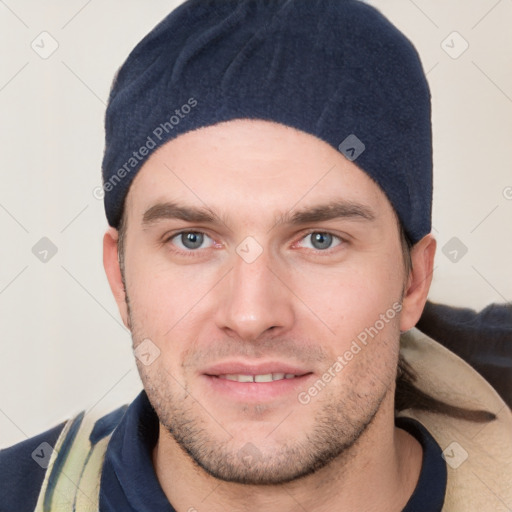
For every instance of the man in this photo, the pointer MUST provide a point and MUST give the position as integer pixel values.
(268, 181)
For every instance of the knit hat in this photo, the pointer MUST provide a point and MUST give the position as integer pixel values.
(336, 69)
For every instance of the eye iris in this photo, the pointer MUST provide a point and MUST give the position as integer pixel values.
(321, 240)
(192, 240)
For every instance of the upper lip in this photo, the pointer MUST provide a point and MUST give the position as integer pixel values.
(246, 368)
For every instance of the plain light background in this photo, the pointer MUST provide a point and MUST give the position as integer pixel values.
(63, 347)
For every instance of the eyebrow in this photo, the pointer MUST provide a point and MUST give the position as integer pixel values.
(330, 211)
(340, 209)
(172, 210)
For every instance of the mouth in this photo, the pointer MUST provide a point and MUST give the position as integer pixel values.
(246, 382)
(265, 377)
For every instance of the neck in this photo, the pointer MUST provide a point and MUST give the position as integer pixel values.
(378, 473)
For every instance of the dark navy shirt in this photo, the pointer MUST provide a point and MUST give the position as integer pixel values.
(129, 482)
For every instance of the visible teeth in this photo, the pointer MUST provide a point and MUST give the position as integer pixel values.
(267, 377)
(263, 378)
(245, 378)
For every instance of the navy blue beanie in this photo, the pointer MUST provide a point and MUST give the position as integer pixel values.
(336, 69)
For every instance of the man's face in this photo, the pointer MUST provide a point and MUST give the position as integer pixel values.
(262, 289)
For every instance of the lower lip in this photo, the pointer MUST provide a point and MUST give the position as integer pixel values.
(257, 391)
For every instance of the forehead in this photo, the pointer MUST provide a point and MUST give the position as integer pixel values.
(252, 167)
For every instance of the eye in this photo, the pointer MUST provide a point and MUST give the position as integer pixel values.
(321, 241)
(189, 240)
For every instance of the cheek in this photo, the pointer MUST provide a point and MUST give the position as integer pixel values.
(352, 299)
(167, 305)
(159, 293)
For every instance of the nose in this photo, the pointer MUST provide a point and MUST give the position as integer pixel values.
(254, 299)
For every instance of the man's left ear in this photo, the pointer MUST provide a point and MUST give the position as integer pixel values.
(418, 283)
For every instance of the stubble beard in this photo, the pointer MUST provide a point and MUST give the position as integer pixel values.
(333, 436)
(337, 427)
